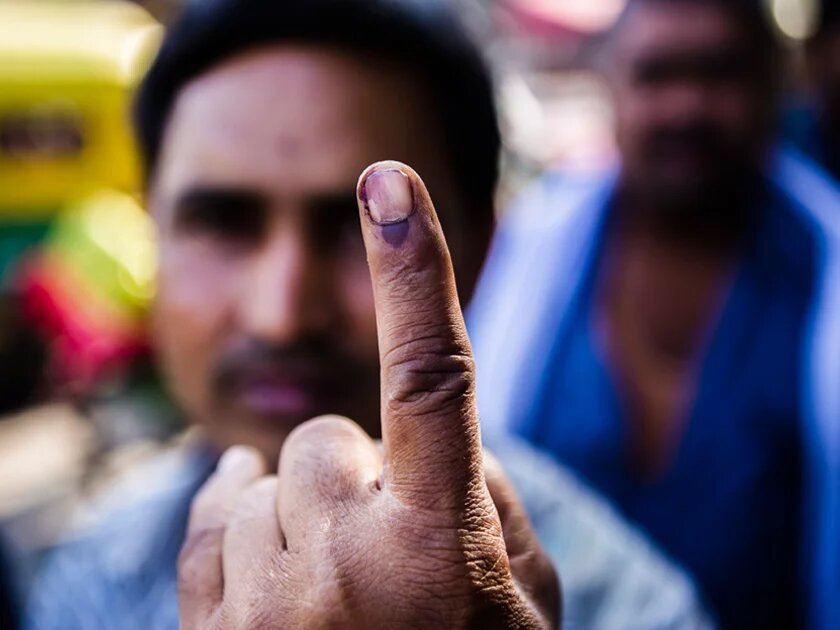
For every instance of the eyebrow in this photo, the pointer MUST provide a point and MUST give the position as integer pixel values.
(338, 207)
(208, 195)
(337, 203)
(691, 57)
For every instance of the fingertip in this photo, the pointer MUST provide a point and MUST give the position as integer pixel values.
(413, 179)
(319, 430)
(238, 467)
(383, 165)
(241, 460)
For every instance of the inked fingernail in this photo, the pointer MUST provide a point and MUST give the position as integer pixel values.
(234, 458)
(389, 197)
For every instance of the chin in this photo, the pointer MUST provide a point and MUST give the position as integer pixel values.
(267, 435)
(270, 444)
(267, 430)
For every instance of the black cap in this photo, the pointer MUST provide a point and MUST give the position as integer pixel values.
(829, 14)
(422, 36)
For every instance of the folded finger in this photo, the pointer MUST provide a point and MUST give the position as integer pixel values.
(529, 564)
(253, 541)
(328, 467)
(200, 574)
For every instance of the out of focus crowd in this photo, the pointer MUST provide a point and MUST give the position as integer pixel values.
(659, 312)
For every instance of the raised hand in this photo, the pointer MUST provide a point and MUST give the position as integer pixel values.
(419, 533)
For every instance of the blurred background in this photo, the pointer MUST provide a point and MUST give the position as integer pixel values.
(77, 255)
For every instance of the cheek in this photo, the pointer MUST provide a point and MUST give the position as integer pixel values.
(357, 296)
(189, 320)
(632, 116)
(742, 117)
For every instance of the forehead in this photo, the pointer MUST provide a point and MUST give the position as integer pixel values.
(294, 119)
(669, 28)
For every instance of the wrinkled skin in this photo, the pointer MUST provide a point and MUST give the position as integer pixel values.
(421, 532)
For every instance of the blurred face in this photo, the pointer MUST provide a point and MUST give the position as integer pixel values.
(265, 316)
(693, 111)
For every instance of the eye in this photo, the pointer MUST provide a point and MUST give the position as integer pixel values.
(653, 73)
(335, 223)
(234, 216)
(726, 68)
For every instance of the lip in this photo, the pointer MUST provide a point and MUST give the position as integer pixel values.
(281, 400)
(684, 151)
(282, 396)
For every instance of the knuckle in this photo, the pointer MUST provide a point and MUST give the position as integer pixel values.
(256, 494)
(197, 546)
(257, 615)
(412, 278)
(199, 551)
(205, 502)
(310, 438)
(321, 457)
(255, 501)
(429, 374)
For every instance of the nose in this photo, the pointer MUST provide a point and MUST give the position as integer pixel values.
(286, 294)
(686, 100)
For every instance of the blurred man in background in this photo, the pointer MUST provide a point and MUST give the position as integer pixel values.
(255, 121)
(816, 128)
(669, 330)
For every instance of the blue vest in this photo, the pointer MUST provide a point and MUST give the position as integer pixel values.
(765, 430)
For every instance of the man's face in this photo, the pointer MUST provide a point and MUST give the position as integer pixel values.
(693, 112)
(265, 317)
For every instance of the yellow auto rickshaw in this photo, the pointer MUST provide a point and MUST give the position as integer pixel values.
(67, 72)
(76, 248)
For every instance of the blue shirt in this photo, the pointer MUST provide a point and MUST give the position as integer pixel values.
(751, 503)
(803, 126)
(729, 506)
(122, 572)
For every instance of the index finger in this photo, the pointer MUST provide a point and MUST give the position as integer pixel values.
(429, 420)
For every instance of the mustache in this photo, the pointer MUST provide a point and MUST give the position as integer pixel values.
(313, 358)
(700, 135)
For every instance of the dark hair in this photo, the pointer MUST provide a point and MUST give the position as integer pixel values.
(422, 36)
(829, 17)
(752, 15)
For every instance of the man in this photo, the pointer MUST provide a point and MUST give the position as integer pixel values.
(815, 128)
(350, 534)
(669, 329)
(255, 121)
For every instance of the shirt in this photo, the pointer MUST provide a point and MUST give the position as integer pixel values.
(728, 508)
(762, 440)
(803, 126)
(122, 573)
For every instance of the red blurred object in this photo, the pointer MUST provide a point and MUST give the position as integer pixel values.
(563, 19)
(88, 340)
